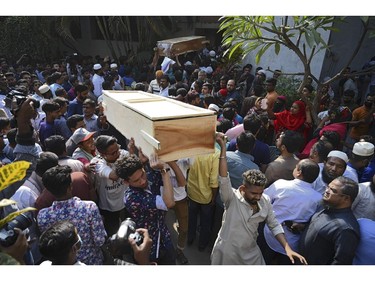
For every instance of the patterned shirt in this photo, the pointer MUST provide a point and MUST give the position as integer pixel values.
(86, 218)
(142, 206)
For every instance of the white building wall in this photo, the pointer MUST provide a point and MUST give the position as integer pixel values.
(287, 61)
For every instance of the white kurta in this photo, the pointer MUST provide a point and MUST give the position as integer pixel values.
(236, 241)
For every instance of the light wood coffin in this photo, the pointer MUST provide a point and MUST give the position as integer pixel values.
(169, 128)
(181, 45)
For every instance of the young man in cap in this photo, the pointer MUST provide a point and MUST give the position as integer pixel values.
(98, 79)
(119, 82)
(85, 150)
(361, 156)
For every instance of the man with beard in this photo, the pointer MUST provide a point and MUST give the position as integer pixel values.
(245, 208)
(333, 234)
(334, 167)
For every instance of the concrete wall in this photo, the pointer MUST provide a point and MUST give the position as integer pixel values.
(287, 61)
(344, 43)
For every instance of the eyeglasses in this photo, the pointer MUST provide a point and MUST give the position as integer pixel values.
(78, 243)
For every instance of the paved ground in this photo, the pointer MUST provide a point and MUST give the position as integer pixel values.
(191, 252)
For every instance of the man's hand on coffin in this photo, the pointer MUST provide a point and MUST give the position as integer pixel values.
(156, 163)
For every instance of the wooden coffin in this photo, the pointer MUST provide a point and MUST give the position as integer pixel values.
(169, 128)
(181, 45)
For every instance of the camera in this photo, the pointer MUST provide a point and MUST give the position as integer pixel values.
(14, 99)
(7, 234)
(127, 230)
(118, 244)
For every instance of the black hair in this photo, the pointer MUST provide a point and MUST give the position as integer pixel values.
(272, 81)
(224, 125)
(191, 96)
(4, 122)
(178, 75)
(56, 242)
(292, 141)
(11, 136)
(245, 142)
(209, 100)
(72, 120)
(249, 65)
(61, 101)
(81, 88)
(60, 92)
(89, 102)
(323, 148)
(127, 166)
(46, 161)
(182, 91)
(57, 180)
(309, 87)
(333, 137)
(103, 142)
(50, 106)
(55, 76)
(229, 113)
(55, 144)
(252, 123)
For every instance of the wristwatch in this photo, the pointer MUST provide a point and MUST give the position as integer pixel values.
(164, 171)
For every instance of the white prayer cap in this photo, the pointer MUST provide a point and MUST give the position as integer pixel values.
(363, 148)
(339, 154)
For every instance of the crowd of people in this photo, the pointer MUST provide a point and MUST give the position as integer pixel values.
(290, 181)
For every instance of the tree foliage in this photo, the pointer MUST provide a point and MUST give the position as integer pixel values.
(299, 34)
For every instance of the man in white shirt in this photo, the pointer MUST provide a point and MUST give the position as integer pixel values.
(109, 186)
(164, 86)
(98, 79)
(293, 201)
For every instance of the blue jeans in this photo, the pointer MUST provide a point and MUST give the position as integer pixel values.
(205, 212)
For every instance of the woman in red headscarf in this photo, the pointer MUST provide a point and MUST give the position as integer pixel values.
(298, 118)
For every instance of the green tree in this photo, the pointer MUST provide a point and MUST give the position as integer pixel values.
(300, 34)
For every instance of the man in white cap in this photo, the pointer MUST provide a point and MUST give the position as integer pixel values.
(334, 167)
(45, 94)
(119, 83)
(361, 156)
(98, 79)
(214, 108)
